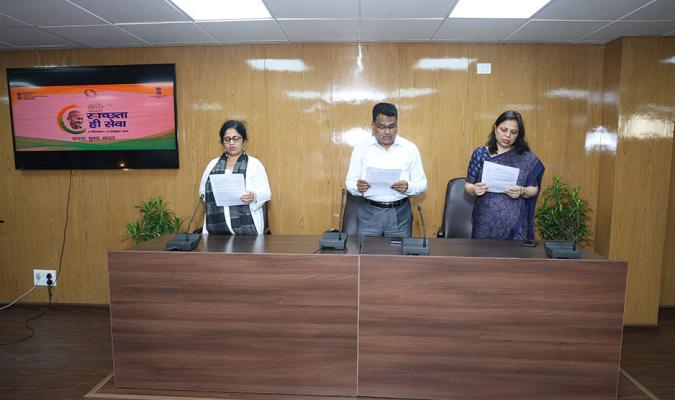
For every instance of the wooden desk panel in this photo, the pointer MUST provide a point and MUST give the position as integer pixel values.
(261, 323)
(481, 328)
(476, 320)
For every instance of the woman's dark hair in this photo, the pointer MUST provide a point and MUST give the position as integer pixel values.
(238, 126)
(520, 145)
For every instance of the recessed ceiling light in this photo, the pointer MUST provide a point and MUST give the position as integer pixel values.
(209, 10)
(497, 8)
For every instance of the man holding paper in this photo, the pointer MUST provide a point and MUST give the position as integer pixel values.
(505, 176)
(234, 187)
(385, 170)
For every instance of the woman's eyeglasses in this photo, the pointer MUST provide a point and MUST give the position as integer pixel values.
(233, 139)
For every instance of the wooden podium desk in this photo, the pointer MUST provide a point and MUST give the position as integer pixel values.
(474, 320)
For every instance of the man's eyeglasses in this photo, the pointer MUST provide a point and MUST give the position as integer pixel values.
(233, 139)
(385, 127)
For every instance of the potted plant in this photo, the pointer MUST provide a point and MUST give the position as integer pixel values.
(156, 219)
(562, 220)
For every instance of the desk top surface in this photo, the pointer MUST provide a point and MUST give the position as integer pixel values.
(309, 244)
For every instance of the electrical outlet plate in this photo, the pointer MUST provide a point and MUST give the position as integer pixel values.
(40, 277)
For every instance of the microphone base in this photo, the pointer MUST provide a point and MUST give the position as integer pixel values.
(561, 249)
(184, 242)
(415, 247)
(333, 240)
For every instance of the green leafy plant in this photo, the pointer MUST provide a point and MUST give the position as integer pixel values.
(563, 214)
(156, 220)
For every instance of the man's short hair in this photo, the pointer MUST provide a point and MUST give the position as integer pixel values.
(387, 109)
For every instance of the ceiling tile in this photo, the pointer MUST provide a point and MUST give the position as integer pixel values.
(660, 10)
(384, 30)
(555, 31)
(150, 22)
(170, 33)
(244, 31)
(632, 28)
(588, 9)
(406, 8)
(119, 11)
(32, 37)
(97, 36)
(477, 29)
(313, 30)
(313, 8)
(48, 13)
(6, 22)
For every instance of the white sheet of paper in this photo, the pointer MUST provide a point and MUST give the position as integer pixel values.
(227, 189)
(380, 181)
(499, 177)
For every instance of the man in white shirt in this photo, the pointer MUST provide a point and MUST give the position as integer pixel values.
(386, 212)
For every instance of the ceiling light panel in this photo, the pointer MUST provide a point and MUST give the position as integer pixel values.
(497, 8)
(218, 10)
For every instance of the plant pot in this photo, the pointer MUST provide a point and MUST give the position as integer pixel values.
(561, 249)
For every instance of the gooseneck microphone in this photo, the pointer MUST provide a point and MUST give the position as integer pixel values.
(199, 201)
(424, 227)
(335, 238)
(342, 211)
(417, 246)
(186, 241)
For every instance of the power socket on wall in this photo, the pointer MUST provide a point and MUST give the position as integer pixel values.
(40, 277)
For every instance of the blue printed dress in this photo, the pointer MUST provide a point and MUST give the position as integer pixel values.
(496, 215)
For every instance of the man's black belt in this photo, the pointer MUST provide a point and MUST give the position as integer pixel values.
(386, 204)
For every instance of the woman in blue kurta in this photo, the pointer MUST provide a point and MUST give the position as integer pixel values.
(508, 215)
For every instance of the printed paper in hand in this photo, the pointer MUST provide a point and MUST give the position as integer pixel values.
(380, 181)
(499, 177)
(227, 189)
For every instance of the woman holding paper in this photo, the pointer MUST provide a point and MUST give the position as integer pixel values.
(239, 213)
(506, 192)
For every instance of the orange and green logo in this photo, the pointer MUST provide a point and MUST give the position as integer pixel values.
(74, 120)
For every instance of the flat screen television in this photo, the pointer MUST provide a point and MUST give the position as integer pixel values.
(113, 116)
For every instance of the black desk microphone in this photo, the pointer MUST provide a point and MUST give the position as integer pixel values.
(186, 241)
(417, 246)
(332, 239)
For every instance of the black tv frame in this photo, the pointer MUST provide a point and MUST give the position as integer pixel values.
(94, 75)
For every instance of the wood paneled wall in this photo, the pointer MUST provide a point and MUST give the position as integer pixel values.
(668, 271)
(607, 148)
(302, 126)
(646, 111)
